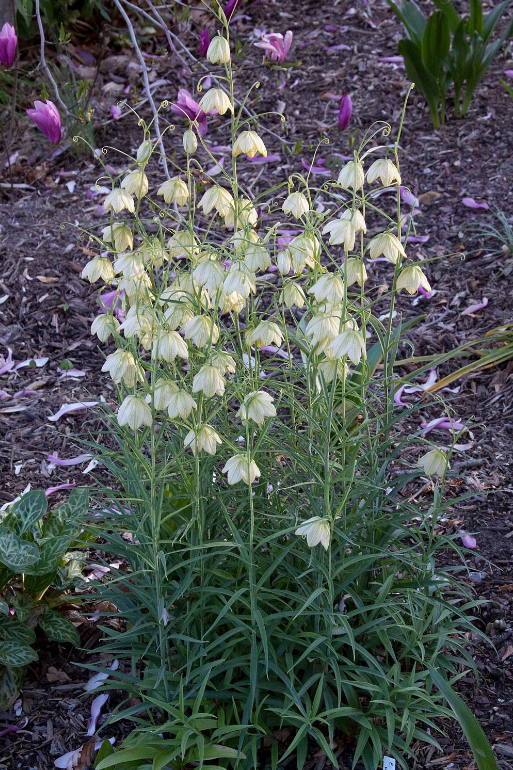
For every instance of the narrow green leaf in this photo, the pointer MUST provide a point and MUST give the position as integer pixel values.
(474, 733)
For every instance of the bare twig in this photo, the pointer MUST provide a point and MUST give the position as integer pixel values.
(146, 84)
(43, 60)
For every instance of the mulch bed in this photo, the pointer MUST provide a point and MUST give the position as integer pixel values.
(49, 309)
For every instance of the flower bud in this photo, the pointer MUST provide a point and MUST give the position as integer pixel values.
(144, 152)
(190, 143)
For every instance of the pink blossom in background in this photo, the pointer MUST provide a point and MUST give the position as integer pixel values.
(186, 105)
(276, 46)
(344, 113)
(115, 112)
(204, 42)
(113, 299)
(47, 119)
(8, 42)
(230, 7)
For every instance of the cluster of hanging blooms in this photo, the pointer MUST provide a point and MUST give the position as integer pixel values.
(184, 311)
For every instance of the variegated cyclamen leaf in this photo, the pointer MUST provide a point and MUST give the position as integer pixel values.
(66, 518)
(29, 509)
(4, 608)
(11, 680)
(12, 630)
(58, 629)
(17, 554)
(16, 654)
(51, 554)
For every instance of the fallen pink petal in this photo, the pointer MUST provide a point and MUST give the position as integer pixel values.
(53, 490)
(508, 73)
(432, 378)
(33, 362)
(96, 709)
(261, 159)
(468, 540)
(398, 397)
(70, 408)
(6, 364)
(473, 204)
(54, 460)
(475, 308)
(96, 680)
(115, 111)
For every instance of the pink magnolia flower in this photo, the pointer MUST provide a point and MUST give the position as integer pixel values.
(204, 42)
(190, 108)
(276, 46)
(8, 42)
(344, 113)
(47, 118)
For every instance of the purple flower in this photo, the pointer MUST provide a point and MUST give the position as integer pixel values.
(230, 7)
(115, 112)
(47, 118)
(276, 46)
(8, 41)
(187, 106)
(204, 42)
(344, 113)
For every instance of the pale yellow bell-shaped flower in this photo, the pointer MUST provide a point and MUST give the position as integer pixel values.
(182, 243)
(190, 142)
(209, 273)
(265, 333)
(104, 325)
(123, 367)
(121, 234)
(136, 183)
(218, 51)
(239, 469)
(117, 200)
(354, 271)
(349, 343)
(293, 295)
(175, 190)
(257, 258)
(205, 439)
(180, 405)
(134, 412)
(168, 346)
(341, 231)
(140, 320)
(202, 331)
(434, 462)
(304, 250)
(296, 204)
(322, 329)
(387, 244)
(130, 264)
(332, 367)
(242, 239)
(208, 380)
(411, 278)
(256, 406)
(162, 392)
(250, 144)
(232, 302)
(240, 279)
(384, 170)
(329, 288)
(316, 530)
(352, 176)
(216, 197)
(223, 361)
(215, 99)
(98, 267)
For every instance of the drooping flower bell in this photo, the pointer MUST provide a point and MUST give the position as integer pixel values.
(239, 469)
(219, 50)
(411, 278)
(134, 412)
(434, 462)
(316, 530)
(8, 43)
(249, 143)
(384, 170)
(257, 406)
(47, 119)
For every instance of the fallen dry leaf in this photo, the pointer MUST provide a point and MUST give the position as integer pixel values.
(429, 197)
(54, 675)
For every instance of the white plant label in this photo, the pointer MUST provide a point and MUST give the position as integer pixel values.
(388, 763)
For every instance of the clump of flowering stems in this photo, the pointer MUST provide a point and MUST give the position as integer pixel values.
(274, 565)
